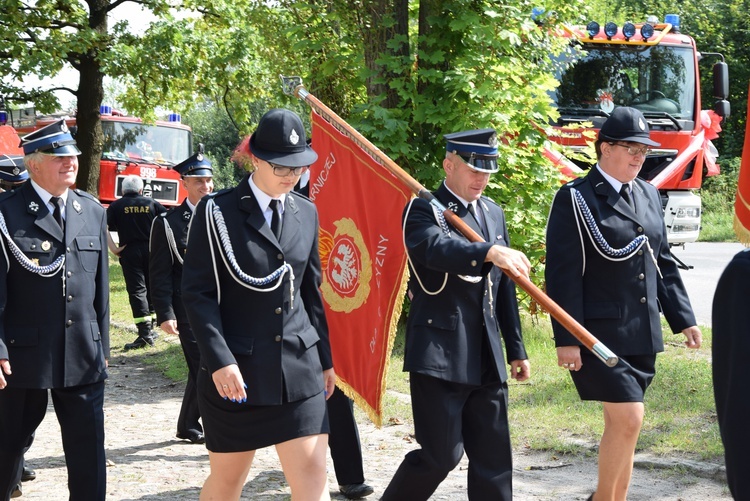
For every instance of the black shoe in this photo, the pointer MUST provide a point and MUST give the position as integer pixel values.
(194, 436)
(356, 491)
(28, 474)
(140, 342)
(16, 493)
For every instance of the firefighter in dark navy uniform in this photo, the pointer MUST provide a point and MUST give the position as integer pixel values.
(131, 217)
(167, 250)
(609, 266)
(463, 310)
(13, 172)
(251, 286)
(55, 261)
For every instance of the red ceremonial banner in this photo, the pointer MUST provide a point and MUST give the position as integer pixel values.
(742, 200)
(363, 261)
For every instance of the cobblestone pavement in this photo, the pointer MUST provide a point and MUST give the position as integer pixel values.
(146, 462)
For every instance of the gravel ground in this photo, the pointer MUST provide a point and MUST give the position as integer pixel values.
(146, 461)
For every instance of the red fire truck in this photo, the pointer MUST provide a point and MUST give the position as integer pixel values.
(652, 67)
(133, 147)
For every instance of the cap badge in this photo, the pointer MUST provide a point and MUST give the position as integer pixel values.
(492, 141)
(33, 206)
(199, 157)
(294, 137)
(641, 125)
(16, 171)
(77, 206)
(46, 245)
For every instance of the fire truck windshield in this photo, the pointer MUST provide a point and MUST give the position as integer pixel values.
(658, 80)
(145, 143)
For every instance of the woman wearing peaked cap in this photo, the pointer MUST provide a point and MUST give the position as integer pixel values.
(609, 266)
(250, 285)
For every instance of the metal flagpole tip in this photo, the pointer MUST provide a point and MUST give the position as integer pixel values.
(605, 354)
(289, 84)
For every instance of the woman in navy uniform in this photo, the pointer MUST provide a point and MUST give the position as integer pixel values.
(609, 266)
(167, 246)
(461, 303)
(55, 259)
(253, 300)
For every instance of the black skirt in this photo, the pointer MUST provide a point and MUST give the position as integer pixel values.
(625, 382)
(233, 427)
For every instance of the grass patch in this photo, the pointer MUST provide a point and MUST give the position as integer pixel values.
(545, 412)
(718, 226)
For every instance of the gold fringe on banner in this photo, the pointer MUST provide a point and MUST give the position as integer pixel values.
(376, 415)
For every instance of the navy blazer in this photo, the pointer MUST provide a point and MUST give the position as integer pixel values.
(54, 331)
(164, 266)
(619, 302)
(450, 332)
(279, 345)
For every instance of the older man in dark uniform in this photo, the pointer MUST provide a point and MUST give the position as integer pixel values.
(55, 259)
(167, 246)
(460, 304)
(609, 266)
(131, 217)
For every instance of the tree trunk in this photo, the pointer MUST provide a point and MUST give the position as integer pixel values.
(377, 35)
(90, 94)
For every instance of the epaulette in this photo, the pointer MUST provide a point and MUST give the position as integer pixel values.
(6, 195)
(485, 198)
(220, 192)
(575, 182)
(85, 194)
(300, 195)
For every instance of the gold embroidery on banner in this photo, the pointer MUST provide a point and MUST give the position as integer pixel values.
(347, 267)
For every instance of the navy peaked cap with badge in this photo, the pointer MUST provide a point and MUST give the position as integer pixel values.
(626, 124)
(12, 169)
(195, 166)
(477, 147)
(280, 139)
(54, 139)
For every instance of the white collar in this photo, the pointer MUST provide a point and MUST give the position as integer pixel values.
(46, 195)
(263, 198)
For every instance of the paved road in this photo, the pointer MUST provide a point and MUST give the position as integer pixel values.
(708, 261)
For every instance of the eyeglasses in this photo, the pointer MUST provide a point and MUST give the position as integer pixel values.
(283, 171)
(633, 151)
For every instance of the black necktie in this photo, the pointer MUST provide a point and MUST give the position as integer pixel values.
(625, 194)
(275, 218)
(57, 213)
(476, 218)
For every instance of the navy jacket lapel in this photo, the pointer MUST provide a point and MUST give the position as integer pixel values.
(39, 210)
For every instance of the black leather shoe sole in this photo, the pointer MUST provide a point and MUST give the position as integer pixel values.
(28, 474)
(194, 437)
(139, 343)
(355, 491)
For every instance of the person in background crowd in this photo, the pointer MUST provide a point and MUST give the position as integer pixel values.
(55, 260)
(250, 284)
(13, 174)
(609, 266)
(131, 217)
(167, 249)
(730, 351)
(461, 303)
